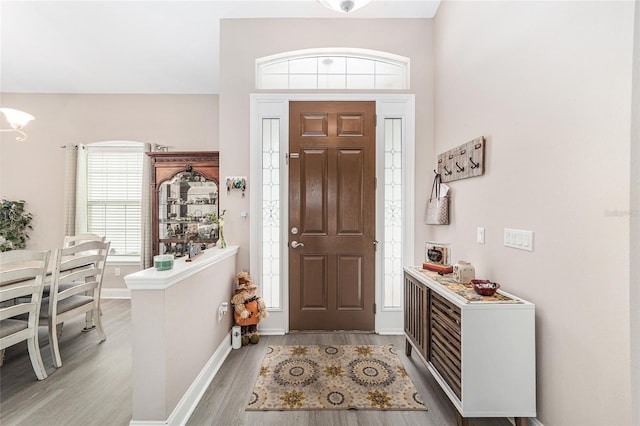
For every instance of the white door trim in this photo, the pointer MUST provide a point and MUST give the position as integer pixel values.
(388, 321)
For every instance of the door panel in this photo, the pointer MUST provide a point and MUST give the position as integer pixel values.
(350, 125)
(313, 191)
(350, 286)
(314, 124)
(350, 198)
(332, 203)
(313, 270)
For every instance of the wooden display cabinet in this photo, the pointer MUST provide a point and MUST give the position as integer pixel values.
(184, 193)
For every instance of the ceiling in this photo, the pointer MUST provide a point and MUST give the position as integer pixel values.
(143, 46)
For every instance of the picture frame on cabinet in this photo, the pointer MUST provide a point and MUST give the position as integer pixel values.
(437, 253)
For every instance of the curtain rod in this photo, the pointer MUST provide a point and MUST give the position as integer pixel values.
(156, 147)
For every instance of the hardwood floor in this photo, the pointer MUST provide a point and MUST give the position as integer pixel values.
(93, 386)
(224, 401)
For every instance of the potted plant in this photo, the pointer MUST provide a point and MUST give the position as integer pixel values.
(14, 225)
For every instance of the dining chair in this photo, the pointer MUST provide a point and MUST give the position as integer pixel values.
(71, 240)
(22, 274)
(75, 288)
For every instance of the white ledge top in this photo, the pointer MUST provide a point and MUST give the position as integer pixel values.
(152, 279)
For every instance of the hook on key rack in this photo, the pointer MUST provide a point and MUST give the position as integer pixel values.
(447, 171)
(460, 169)
(474, 165)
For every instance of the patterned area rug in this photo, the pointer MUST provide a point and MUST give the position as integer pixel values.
(363, 377)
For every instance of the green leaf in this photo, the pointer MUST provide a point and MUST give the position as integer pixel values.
(14, 222)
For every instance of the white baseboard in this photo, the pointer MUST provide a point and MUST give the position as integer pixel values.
(391, 331)
(281, 332)
(271, 331)
(532, 420)
(192, 396)
(115, 293)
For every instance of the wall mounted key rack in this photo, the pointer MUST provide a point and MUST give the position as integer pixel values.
(464, 161)
(236, 182)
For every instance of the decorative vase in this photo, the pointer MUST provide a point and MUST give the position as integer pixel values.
(463, 272)
(221, 242)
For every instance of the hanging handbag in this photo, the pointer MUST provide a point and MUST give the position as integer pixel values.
(437, 212)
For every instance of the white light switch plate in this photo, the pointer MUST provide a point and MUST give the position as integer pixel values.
(480, 235)
(518, 238)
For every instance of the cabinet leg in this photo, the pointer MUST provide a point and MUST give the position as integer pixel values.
(521, 421)
(461, 421)
(407, 347)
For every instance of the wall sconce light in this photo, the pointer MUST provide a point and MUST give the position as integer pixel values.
(344, 6)
(17, 120)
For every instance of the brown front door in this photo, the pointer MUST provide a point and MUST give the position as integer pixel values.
(332, 215)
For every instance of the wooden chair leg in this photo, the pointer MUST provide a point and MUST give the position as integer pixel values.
(88, 322)
(1, 357)
(36, 358)
(407, 347)
(521, 421)
(53, 343)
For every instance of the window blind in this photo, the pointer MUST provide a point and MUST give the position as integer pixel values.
(114, 194)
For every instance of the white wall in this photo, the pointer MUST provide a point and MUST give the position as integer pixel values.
(177, 340)
(634, 273)
(549, 85)
(33, 170)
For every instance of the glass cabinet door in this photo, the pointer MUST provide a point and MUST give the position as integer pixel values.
(188, 206)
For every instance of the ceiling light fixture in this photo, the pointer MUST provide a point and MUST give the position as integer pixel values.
(344, 6)
(17, 120)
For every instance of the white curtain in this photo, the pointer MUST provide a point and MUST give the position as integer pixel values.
(81, 192)
(146, 249)
(75, 190)
(70, 164)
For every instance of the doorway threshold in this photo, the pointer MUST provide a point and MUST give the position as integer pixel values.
(331, 331)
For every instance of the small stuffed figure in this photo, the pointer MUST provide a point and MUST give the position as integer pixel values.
(248, 308)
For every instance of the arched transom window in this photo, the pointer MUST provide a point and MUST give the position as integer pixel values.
(333, 69)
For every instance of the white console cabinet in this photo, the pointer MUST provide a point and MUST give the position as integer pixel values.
(481, 352)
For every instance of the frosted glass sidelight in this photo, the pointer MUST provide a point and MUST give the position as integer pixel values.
(393, 216)
(270, 206)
